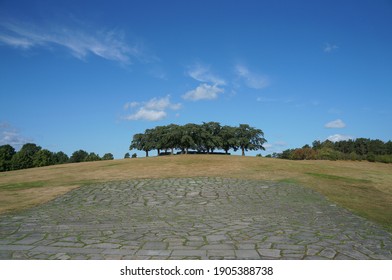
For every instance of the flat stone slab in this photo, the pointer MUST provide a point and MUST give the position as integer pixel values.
(191, 218)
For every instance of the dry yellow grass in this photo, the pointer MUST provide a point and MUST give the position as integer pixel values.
(363, 187)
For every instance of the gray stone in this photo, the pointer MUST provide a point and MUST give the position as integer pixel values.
(198, 218)
(328, 253)
(154, 252)
(247, 254)
(155, 246)
(273, 253)
(221, 253)
(201, 253)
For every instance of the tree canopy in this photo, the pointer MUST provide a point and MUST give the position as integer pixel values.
(358, 149)
(203, 138)
(32, 155)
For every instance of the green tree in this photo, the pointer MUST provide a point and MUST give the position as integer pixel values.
(376, 147)
(316, 145)
(6, 154)
(25, 157)
(328, 144)
(155, 137)
(286, 154)
(328, 154)
(345, 147)
(92, 157)
(249, 138)
(43, 157)
(127, 155)
(188, 136)
(172, 137)
(361, 146)
(141, 142)
(78, 156)
(228, 138)
(108, 156)
(210, 136)
(60, 158)
(388, 147)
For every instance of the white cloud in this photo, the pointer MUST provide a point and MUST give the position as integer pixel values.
(339, 137)
(16, 42)
(9, 135)
(335, 124)
(203, 91)
(161, 104)
(146, 114)
(109, 45)
(328, 48)
(152, 110)
(280, 143)
(267, 146)
(202, 74)
(210, 86)
(275, 147)
(252, 80)
(131, 105)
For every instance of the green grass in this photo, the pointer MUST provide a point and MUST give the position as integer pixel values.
(22, 186)
(363, 187)
(339, 178)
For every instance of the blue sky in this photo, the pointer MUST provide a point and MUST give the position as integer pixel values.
(90, 74)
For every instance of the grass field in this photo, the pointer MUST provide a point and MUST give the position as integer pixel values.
(363, 187)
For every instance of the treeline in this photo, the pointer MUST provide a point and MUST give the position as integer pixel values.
(203, 138)
(31, 155)
(358, 149)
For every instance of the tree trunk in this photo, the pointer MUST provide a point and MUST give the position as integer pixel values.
(186, 151)
(146, 153)
(243, 151)
(159, 151)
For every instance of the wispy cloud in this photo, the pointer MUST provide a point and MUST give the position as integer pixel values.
(335, 124)
(328, 48)
(10, 135)
(210, 87)
(339, 137)
(203, 74)
(251, 79)
(132, 104)
(203, 91)
(109, 45)
(277, 146)
(152, 110)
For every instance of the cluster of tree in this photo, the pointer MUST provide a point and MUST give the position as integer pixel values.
(81, 156)
(31, 155)
(204, 138)
(127, 155)
(358, 149)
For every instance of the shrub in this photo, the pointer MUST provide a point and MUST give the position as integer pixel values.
(371, 158)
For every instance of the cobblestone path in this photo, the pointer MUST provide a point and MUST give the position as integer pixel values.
(198, 218)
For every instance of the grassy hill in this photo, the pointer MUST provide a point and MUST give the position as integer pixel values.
(363, 187)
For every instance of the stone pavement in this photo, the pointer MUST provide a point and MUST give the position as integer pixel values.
(193, 218)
